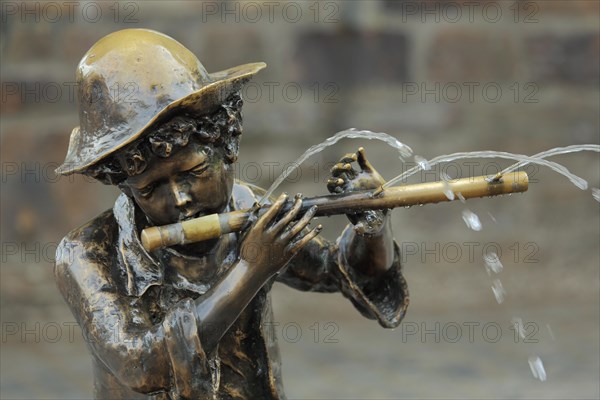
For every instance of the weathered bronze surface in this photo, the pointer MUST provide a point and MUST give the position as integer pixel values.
(192, 321)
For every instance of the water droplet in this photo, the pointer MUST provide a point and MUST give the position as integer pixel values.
(518, 324)
(445, 177)
(472, 220)
(447, 190)
(537, 368)
(550, 332)
(498, 290)
(492, 217)
(449, 193)
(423, 163)
(492, 263)
(596, 194)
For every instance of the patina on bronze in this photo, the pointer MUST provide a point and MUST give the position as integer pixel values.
(192, 321)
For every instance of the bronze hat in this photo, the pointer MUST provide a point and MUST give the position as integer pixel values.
(130, 80)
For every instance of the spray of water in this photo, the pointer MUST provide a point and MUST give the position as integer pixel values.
(492, 262)
(352, 133)
(553, 152)
(537, 368)
(577, 181)
(472, 220)
(498, 290)
(596, 194)
(519, 327)
(423, 164)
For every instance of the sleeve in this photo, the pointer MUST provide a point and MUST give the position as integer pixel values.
(194, 374)
(322, 266)
(384, 298)
(146, 357)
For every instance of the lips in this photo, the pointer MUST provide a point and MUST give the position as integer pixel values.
(185, 216)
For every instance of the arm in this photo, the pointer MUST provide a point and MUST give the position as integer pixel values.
(118, 333)
(364, 263)
(370, 247)
(147, 352)
(267, 247)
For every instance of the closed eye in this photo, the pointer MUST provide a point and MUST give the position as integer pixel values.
(146, 190)
(199, 169)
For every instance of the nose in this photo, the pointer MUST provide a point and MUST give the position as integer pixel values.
(180, 194)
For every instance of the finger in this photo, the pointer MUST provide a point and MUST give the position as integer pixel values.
(297, 245)
(348, 158)
(272, 211)
(364, 164)
(342, 168)
(301, 224)
(335, 189)
(289, 216)
(335, 185)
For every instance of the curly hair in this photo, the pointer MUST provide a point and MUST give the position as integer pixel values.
(221, 128)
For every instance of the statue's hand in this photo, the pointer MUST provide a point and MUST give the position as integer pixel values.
(273, 239)
(344, 178)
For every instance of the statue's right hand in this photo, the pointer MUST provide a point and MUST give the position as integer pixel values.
(270, 242)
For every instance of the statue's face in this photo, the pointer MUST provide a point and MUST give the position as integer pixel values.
(193, 181)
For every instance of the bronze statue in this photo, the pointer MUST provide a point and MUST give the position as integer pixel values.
(170, 313)
(191, 321)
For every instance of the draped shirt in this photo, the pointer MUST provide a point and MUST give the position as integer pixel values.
(137, 312)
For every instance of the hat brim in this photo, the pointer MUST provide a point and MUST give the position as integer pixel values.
(202, 101)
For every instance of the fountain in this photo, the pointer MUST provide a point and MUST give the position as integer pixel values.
(180, 233)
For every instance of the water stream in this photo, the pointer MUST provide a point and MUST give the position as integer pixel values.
(421, 165)
(352, 133)
(554, 152)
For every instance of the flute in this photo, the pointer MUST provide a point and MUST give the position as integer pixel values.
(214, 225)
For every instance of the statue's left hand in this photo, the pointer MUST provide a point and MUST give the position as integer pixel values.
(344, 178)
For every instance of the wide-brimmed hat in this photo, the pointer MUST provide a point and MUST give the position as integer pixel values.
(133, 79)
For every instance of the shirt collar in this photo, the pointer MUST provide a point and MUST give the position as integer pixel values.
(142, 270)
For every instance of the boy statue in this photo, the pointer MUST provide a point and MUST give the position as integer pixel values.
(193, 321)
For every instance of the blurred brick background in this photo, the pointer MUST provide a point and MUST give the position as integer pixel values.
(442, 77)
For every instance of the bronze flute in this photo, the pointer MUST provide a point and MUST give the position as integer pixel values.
(214, 225)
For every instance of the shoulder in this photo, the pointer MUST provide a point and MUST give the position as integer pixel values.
(98, 230)
(86, 252)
